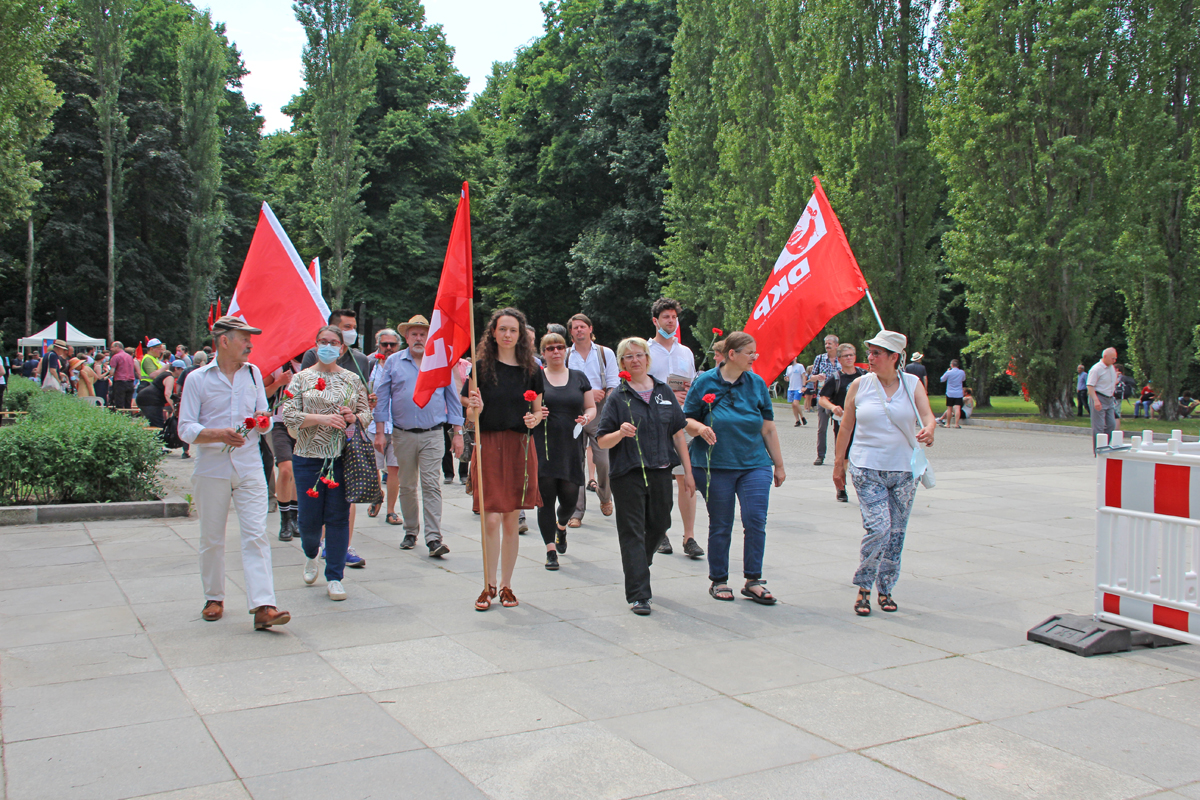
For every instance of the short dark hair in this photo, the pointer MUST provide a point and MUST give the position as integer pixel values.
(954, 362)
(554, 327)
(336, 315)
(665, 304)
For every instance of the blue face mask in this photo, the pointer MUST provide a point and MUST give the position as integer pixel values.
(327, 353)
(665, 334)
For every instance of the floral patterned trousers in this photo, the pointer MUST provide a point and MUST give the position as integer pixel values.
(885, 498)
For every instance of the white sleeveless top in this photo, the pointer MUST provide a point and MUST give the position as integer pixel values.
(879, 444)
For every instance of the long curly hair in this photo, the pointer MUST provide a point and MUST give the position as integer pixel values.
(488, 352)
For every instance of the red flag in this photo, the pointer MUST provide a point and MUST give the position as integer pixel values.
(276, 293)
(137, 352)
(211, 318)
(450, 328)
(314, 272)
(814, 279)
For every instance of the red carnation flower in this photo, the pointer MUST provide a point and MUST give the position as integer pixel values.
(709, 398)
(264, 422)
(718, 332)
(380, 356)
(530, 395)
(250, 423)
(289, 394)
(332, 484)
(313, 492)
(320, 384)
(623, 375)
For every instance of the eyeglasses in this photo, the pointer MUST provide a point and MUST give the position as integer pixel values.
(332, 342)
(389, 344)
(634, 355)
(550, 348)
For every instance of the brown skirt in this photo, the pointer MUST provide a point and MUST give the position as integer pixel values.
(509, 480)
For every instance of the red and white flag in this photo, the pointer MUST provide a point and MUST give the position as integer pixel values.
(276, 294)
(815, 278)
(450, 328)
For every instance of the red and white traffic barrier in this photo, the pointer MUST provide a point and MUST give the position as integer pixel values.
(1148, 535)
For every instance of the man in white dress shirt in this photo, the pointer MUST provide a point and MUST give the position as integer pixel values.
(1101, 385)
(599, 363)
(217, 399)
(673, 364)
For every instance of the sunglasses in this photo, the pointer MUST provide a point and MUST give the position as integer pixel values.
(550, 348)
(389, 344)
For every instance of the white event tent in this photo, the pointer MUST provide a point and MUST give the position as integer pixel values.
(74, 337)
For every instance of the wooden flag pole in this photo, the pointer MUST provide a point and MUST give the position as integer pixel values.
(478, 447)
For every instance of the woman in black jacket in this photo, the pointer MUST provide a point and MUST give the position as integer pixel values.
(643, 426)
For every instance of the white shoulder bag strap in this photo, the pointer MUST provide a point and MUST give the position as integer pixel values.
(920, 464)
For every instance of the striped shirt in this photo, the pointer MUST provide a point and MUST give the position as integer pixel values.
(342, 388)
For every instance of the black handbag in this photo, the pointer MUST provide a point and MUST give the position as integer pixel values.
(360, 476)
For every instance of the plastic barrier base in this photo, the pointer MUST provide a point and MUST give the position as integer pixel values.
(1084, 636)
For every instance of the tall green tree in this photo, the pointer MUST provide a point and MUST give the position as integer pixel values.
(1025, 119)
(203, 66)
(339, 70)
(107, 23)
(1157, 164)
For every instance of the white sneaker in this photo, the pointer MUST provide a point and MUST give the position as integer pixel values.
(310, 571)
(336, 592)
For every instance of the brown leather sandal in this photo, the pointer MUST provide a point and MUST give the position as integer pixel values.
(485, 599)
(507, 598)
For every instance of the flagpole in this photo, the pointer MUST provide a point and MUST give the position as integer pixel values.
(875, 310)
(478, 447)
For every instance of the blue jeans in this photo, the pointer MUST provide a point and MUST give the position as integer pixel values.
(752, 489)
(1140, 406)
(329, 509)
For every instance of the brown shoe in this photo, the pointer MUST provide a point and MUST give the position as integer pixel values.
(485, 599)
(266, 616)
(213, 610)
(606, 509)
(574, 522)
(507, 598)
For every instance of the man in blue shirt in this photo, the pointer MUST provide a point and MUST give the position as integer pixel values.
(1081, 397)
(954, 378)
(417, 438)
(825, 367)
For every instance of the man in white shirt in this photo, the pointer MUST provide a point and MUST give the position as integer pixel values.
(599, 364)
(673, 364)
(1101, 385)
(797, 377)
(217, 399)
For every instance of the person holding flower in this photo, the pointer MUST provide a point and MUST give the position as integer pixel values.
(322, 403)
(223, 412)
(570, 407)
(735, 455)
(643, 425)
(507, 405)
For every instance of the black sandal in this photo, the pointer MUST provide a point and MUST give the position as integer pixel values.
(862, 606)
(721, 591)
(766, 598)
(886, 603)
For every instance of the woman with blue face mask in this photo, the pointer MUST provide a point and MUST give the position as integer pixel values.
(323, 403)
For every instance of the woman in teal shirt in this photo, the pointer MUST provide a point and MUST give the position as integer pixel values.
(732, 458)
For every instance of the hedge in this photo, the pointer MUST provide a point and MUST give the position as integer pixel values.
(19, 393)
(66, 451)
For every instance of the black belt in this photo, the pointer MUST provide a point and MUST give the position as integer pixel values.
(422, 430)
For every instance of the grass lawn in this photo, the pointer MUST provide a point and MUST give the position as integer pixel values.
(1015, 409)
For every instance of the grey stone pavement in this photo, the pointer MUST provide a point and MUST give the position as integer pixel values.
(113, 687)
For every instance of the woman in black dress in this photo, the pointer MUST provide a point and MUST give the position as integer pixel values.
(568, 404)
(509, 404)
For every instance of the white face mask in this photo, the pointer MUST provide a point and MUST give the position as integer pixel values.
(350, 337)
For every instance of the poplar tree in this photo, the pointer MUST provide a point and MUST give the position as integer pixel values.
(107, 23)
(1024, 122)
(339, 70)
(203, 65)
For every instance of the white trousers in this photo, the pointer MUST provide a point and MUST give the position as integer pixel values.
(249, 497)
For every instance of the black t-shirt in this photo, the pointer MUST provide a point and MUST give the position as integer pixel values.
(565, 459)
(154, 394)
(51, 361)
(835, 389)
(915, 369)
(504, 403)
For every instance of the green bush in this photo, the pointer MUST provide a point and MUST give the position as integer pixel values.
(68, 452)
(19, 393)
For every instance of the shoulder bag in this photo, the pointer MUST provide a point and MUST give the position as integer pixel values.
(921, 470)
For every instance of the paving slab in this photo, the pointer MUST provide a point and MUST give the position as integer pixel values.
(111, 685)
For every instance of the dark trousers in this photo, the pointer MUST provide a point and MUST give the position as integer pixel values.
(643, 515)
(823, 418)
(122, 394)
(153, 415)
(566, 493)
(329, 509)
(464, 465)
(1081, 402)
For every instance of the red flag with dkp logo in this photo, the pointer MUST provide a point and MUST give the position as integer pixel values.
(815, 278)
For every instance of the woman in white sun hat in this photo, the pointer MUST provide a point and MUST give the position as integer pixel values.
(880, 415)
